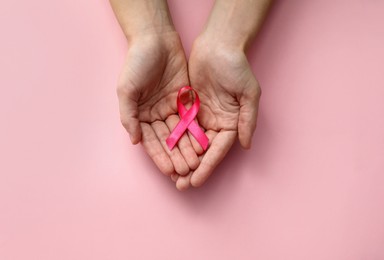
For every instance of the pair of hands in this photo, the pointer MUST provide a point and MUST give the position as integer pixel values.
(155, 69)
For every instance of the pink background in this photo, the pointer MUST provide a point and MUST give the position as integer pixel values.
(73, 187)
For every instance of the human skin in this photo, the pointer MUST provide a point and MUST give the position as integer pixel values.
(154, 70)
(219, 70)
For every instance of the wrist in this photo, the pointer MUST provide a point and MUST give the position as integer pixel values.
(144, 17)
(157, 36)
(235, 23)
(155, 31)
(209, 47)
(224, 39)
(156, 40)
(208, 54)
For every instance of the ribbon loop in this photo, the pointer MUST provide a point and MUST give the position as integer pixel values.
(187, 122)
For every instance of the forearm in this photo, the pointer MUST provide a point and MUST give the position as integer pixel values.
(236, 22)
(138, 17)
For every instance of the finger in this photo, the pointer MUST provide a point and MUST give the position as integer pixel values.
(129, 114)
(184, 144)
(195, 144)
(155, 150)
(221, 144)
(183, 182)
(249, 105)
(162, 132)
(174, 177)
(211, 136)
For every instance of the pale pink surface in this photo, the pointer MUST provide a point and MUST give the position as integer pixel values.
(72, 186)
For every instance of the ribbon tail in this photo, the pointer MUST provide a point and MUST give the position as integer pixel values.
(199, 135)
(176, 134)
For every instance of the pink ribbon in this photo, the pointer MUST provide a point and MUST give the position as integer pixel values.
(187, 122)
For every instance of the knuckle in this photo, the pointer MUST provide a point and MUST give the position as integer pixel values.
(163, 136)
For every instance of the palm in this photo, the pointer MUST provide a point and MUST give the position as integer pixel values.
(219, 104)
(147, 91)
(155, 75)
(229, 96)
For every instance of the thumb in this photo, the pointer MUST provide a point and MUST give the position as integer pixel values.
(129, 113)
(249, 104)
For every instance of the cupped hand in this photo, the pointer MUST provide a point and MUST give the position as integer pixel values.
(229, 94)
(154, 70)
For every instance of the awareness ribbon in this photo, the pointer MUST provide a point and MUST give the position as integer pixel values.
(187, 122)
